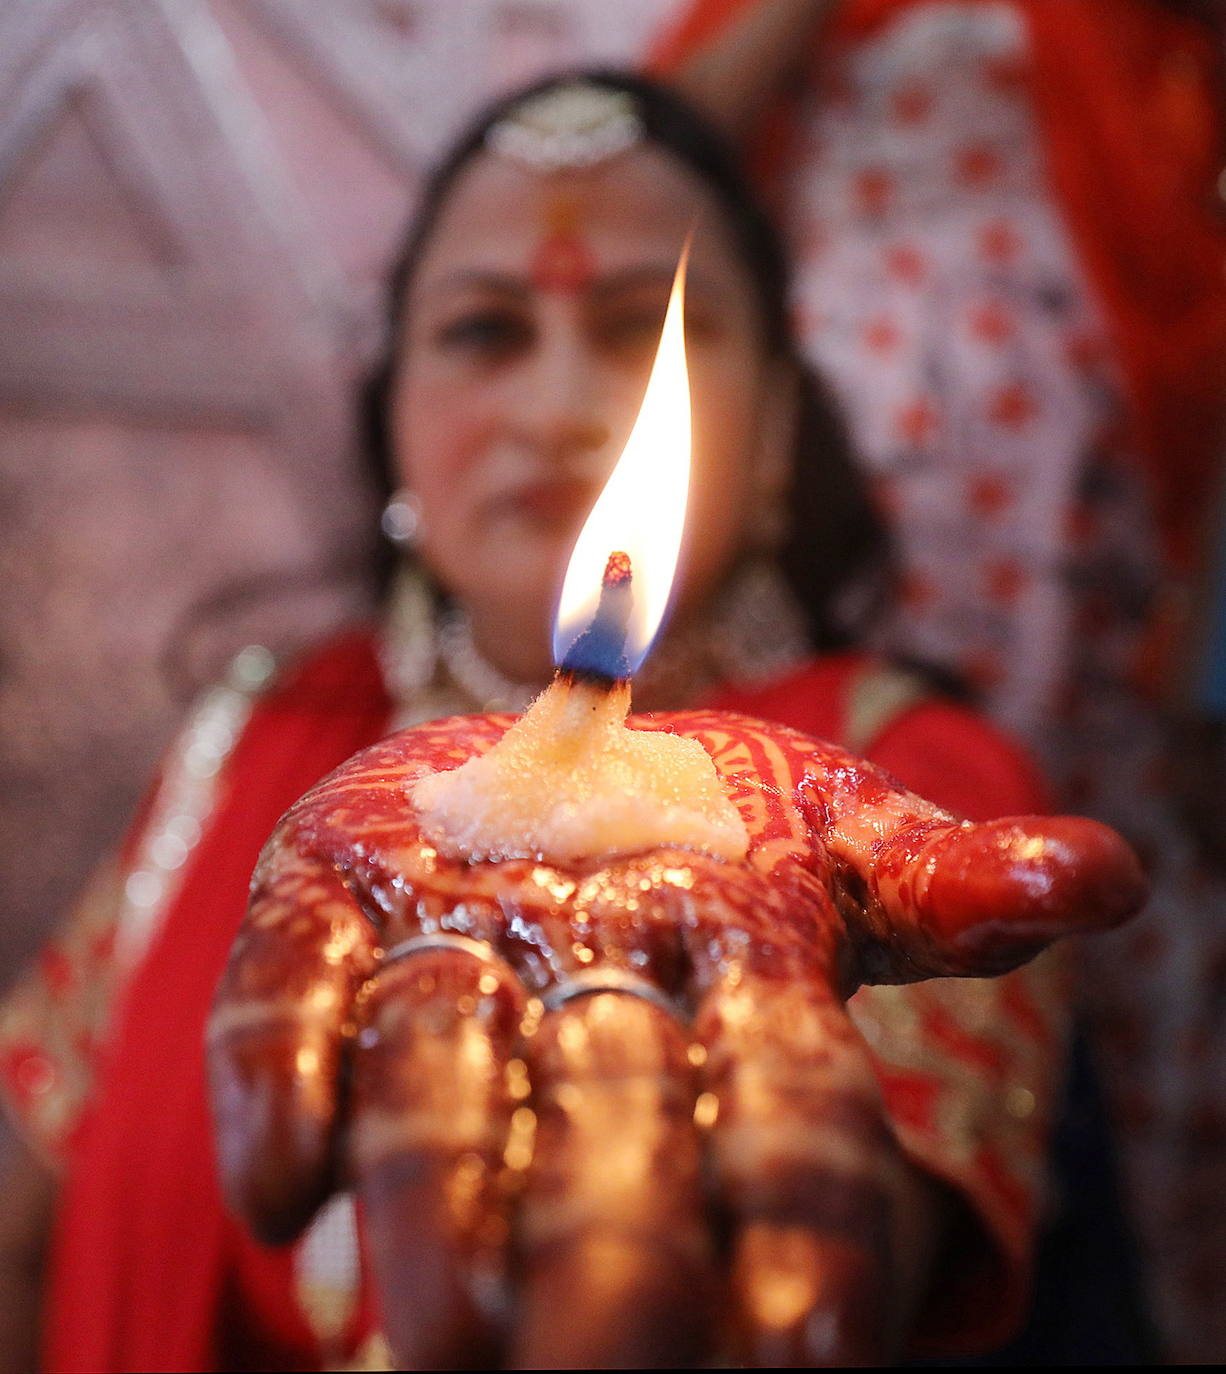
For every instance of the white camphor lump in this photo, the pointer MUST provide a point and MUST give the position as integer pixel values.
(569, 781)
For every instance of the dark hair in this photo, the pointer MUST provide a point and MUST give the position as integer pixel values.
(836, 540)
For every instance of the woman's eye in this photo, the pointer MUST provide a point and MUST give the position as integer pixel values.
(632, 331)
(485, 333)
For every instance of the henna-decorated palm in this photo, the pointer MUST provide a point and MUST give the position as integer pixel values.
(556, 1168)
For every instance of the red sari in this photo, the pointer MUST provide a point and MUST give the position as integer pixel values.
(148, 1270)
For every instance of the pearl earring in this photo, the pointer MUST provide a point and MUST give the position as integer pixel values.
(401, 519)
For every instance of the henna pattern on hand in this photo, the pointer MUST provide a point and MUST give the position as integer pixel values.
(557, 1172)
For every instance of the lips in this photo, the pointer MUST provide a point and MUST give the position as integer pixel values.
(549, 502)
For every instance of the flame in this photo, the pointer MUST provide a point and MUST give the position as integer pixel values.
(641, 510)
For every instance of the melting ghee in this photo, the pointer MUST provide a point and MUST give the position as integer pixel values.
(570, 781)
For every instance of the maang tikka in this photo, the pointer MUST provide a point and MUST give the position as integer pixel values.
(576, 124)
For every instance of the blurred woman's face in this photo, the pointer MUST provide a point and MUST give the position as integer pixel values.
(531, 326)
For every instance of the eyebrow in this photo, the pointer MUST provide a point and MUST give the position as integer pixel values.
(650, 275)
(611, 284)
(472, 277)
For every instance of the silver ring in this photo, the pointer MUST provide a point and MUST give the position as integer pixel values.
(589, 981)
(441, 939)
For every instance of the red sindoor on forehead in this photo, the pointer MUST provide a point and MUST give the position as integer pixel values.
(562, 261)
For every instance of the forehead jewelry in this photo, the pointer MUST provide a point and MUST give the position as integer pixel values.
(577, 124)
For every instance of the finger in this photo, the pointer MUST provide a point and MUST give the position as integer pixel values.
(934, 895)
(808, 1170)
(275, 1044)
(434, 1089)
(982, 899)
(612, 1242)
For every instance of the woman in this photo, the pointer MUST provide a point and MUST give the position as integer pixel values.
(525, 313)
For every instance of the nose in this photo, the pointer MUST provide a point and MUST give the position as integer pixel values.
(560, 399)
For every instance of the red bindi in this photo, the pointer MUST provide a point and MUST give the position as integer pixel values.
(563, 261)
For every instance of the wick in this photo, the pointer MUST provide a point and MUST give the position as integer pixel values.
(616, 573)
(598, 655)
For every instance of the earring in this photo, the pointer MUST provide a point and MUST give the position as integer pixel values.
(401, 519)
